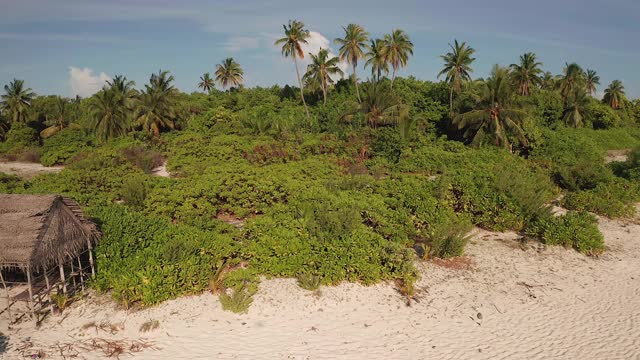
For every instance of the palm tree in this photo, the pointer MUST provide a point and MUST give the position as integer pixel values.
(352, 48)
(591, 81)
(60, 120)
(614, 94)
(573, 113)
(206, 83)
(110, 117)
(16, 101)
(156, 107)
(457, 68)
(376, 58)
(548, 81)
(4, 127)
(321, 69)
(229, 73)
(125, 90)
(495, 116)
(379, 106)
(397, 49)
(295, 36)
(527, 73)
(571, 81)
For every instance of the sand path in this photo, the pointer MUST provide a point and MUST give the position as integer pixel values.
(513, 302)
(27, 170)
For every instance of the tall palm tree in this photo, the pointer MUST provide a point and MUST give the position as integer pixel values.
(321, 69)
(457, 68)
(397, 49)
(614, 94)
(60, 120)
(495, 116)
(548, 81)
(379, 106)
(591, 81)
(295, 36)
(573, 114)
(16, 101)
(571, 81)
(156, 107)
(206, 83)
(229, 73)
(377, 59)
(124, 89)
(352, 48)
(110, 117)
(527, 73)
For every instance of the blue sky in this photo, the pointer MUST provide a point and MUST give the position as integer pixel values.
(71, 46)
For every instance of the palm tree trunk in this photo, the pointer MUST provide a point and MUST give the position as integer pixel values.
(324, 90)
(355, 80)
(451, 100)
(295, 63)
(393, 77)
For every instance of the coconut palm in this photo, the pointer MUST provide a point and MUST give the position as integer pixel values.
(376, 58)
(614, 94)
(206, 83)
(574, 112)
(295, 36)
(321, 69)
(156, 106)
(548, 81)
(526, 74)
(4, 128)
(352, 48)
(16, 101)
(495, 116)
(60, 120)
(397, 49)
(571, 81)
(591, 81)
(124, 89)
(379, 106)
(457, 68)
(229, 73)
(110, 118)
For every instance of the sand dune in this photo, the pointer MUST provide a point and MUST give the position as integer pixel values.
(505, 301)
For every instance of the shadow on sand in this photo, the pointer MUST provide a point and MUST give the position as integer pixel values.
(4, 342)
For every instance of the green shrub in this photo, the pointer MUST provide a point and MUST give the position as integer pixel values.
(578, 230)
(613, 199)
(11, 184)
(63, 146)
(309, 282)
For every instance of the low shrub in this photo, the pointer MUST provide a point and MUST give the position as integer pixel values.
(63, 146)
(578, 230)
(612, 199)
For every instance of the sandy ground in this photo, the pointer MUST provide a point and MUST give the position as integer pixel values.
(27, 170)
(161, 170)
(617, 155)
(505, 300)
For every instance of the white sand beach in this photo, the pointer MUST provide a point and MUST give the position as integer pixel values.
(505, 300)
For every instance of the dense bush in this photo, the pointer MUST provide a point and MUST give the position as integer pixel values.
(63, 146)
(578, 230)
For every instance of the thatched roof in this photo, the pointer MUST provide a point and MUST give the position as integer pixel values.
(37, 230)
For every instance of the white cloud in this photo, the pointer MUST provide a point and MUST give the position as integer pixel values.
(239, 43)
(84, 83)
(317, 41)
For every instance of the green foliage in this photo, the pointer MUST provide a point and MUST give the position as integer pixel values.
(309, 282)
(61, 147)
(10, 184)
(578, 230)
(615, 198)
(19, 137)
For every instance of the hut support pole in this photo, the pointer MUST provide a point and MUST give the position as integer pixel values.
(8, 297)
(73, 276)
(31, 309)
(46, 279)
(81, 273)
(62, 278)
(93, 269)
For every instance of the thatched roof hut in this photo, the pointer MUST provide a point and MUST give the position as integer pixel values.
(37, 231)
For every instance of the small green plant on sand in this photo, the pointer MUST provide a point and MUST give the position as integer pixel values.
(309, 282)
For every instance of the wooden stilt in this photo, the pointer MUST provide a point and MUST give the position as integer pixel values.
(73, 276)
(81, 273)
(93, 268)
(62, 278)
(46, 279)
(8, 298)
(31, 309)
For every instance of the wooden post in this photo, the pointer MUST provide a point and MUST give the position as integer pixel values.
(80, 272)
(8, 297)
(31, 310)
(46, 279)
(93, 269)
(62, 278)
(73, 275)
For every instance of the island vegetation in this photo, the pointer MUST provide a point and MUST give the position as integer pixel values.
(339, 179)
